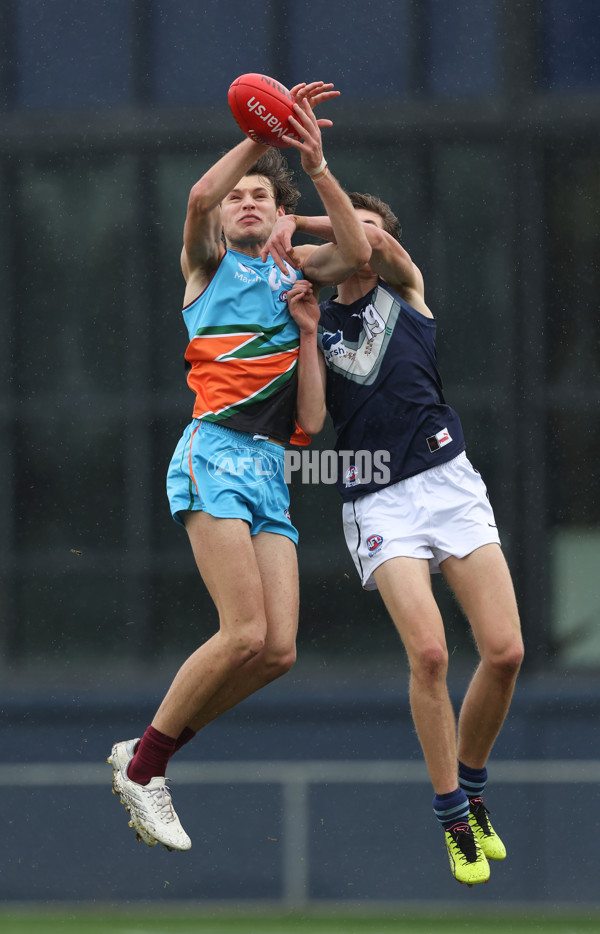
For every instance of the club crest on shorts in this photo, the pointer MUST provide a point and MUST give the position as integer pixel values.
(351, 477)
(374, 544)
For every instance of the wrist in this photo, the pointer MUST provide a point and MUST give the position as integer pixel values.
(300, 221)
(320, 171)
(308, 332)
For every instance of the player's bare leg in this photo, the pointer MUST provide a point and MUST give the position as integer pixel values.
(405, 585)
(278, 569)
(482, 584)
(234, 570)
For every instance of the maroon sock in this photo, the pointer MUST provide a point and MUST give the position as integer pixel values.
(151, 756)
(184, 737)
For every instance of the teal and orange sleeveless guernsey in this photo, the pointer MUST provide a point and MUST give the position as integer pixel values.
(242, 356)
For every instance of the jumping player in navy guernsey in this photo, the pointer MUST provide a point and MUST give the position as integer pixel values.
(413, 505)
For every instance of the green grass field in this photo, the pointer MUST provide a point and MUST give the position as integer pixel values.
(146, 923)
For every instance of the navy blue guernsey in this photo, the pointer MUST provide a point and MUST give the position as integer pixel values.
(384, 392)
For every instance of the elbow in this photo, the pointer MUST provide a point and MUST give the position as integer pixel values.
(361, 256)
(311, 423)
(364, 254)
(199, 201)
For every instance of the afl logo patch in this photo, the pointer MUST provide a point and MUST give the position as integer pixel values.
(374, 544)
(351, 477)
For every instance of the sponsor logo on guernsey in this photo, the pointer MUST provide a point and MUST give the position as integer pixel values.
(374, 544)
(245, 465)
(333, 346)
(246, 274)
(437, 441)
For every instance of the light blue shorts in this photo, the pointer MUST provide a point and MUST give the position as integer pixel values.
(230, 475)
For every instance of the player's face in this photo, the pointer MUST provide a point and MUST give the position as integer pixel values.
(249, 212)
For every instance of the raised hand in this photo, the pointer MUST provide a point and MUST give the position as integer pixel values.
(315, 93)
(306, 125)
(279, 244)
(303, 306)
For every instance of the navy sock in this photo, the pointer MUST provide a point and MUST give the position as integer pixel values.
(451, 808)
(472, 781)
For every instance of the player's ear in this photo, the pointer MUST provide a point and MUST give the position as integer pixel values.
(280, 210)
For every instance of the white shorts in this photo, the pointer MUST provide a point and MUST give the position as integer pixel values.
(441, 512)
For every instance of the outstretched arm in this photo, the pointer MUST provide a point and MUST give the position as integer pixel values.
(388, 258)
(330, 263)
(310, 406)
(202, 247)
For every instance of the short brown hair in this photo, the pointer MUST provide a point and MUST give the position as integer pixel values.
(273, 165)
(391, 224)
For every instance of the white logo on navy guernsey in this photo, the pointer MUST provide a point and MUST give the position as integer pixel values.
(437, 441)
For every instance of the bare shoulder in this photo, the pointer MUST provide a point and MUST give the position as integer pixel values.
(412, 290)
(197, 276)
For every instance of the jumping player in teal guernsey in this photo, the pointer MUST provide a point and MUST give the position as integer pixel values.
(242, 320)
(369, 356)
(226, 480)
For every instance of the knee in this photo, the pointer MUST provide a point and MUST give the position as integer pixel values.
(514, 657)
(276, 662)
(246, 642)
(506, 661)
(429, 662)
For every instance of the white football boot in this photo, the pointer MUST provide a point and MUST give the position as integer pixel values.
(153, 816)
(120, 757)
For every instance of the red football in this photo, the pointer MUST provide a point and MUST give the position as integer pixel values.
(261, 107)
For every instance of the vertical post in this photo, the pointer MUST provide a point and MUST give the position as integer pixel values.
(525, 168)
(138, 413)
(296, 871)
(10, 273)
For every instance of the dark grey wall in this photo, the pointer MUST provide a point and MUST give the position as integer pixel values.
(66, 836)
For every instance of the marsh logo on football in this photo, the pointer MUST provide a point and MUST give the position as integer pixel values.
(248, 466)
(374, 544)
